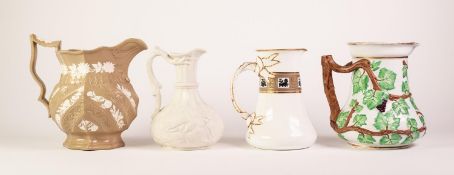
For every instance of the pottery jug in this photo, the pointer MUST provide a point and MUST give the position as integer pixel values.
(381, 111)
(93, 101)
(187, 122)
(280, 121)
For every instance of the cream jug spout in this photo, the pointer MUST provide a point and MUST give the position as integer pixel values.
(129, 48)
(196, 53)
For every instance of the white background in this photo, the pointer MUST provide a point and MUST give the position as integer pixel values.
(230, 31)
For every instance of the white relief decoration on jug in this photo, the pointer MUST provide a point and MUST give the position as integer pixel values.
(107, 104)
(63, 89)
(107, 67)
(79, 71)
(127, 93)
(188, 128)
(55, 92)
(89, 126)
(67, 104)
(64, 69)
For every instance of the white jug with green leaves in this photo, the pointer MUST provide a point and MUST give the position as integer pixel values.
(381, 111)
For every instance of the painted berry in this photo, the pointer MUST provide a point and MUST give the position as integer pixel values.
(382, 106)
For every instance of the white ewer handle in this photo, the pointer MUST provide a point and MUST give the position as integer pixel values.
(155, 85)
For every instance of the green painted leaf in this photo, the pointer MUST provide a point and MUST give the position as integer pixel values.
(411, 138)
(411, 123)
(421, 118)
(405, 70)
(391, 139)
(373, 98)
(400, 107)
(405, 88)
(359, 108)
(412, 101)
(386, 121)
(386, 78)
(367, 139)
(341, 119)
(395, 138)
(393, 122)
(384, 140)
(375, 65)
(415, 134)
(380, 122)
(359, 120)
(341, 136)
(353, 103)
(408, 140)
(360, 81)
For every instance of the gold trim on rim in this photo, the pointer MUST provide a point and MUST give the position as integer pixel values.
(382, 43)
(283, 49)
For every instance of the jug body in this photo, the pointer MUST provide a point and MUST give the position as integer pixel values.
(381, 111)
(187, 122)
(280, 121)
(94, 101)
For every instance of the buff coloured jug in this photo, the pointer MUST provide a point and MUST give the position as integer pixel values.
(187, 122)
(381, 111)
(280, 121)
(93, 102)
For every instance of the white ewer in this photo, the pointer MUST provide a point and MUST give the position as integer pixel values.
(187, 122)
(280, 121)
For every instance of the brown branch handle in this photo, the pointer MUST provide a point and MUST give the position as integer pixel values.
(329, 65)
(34, 41)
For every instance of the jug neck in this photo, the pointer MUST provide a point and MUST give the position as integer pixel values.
(281, 60)
(186, 94)
(186, 75)
(381, 50)
(388, 62)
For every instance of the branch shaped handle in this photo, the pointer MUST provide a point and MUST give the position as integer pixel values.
(246, 66)
(34, 41)
(329, 65)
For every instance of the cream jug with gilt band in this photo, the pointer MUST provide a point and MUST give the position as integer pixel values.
(93, 102)
(381, 111)
(280, 121)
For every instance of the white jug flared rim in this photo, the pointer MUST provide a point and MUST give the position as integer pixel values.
(381, 49)
(384, 43)
(281, 50)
